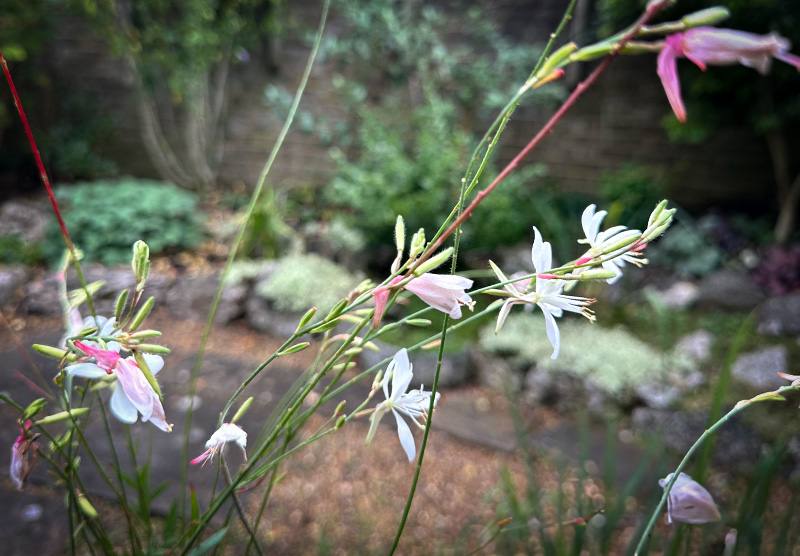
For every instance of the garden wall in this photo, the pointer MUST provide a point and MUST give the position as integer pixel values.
(617, 121)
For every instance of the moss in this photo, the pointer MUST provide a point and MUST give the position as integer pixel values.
(303, 281)
(614, 359)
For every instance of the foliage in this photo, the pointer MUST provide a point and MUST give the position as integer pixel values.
(15, 250)
(303, 281)
(106, 217)
(267, 232)
(687, 249)
(778, 271)
(630, 193)
(411, 142)
(612, 358)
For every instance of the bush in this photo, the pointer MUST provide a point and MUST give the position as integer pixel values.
(105, 218)
(290, 289)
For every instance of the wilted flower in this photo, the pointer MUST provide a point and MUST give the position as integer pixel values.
(546, 294)
(707, 45)
(599, 242)
(414, 404)
(134, 393)
(228, 432)
(689, 502)
(443, 292)
(21, 461)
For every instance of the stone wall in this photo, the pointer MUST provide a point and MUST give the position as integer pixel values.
(615, 123)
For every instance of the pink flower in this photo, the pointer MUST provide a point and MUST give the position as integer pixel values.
(135, 394)
(719, 47)
(443, 292)
(21, 464)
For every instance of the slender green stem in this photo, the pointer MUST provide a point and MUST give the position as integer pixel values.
(774, 395)
(235, 247)
(226, 472)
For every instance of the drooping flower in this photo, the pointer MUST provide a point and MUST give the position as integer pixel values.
(719, 47)
(599, 242)
(21, 461)
(133, 393)
(228, 432)
(443, 292)
(414, 404)
(546, 294)
(689, 502)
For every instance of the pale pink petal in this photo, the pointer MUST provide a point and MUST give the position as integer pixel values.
(17, 463)
(668, 72)
(141, 394)
(442, 291)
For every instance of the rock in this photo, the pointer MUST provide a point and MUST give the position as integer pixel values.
(779, 315)
(680, 295)
(12, 279)
(759, 369)
(190, 298)
(729, 289)
(262, 317)
(455, 371)
(737, 448)
(41, 297)
(495, 372)
(24, 218)
(696, 345)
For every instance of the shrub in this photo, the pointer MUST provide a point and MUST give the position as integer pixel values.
(106, 217)
(291, 289)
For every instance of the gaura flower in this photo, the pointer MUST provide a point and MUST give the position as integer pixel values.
(599, 242)
(689, 502)
(228, 432)
(414, 404)
(21, 462)
(105, 327)
(718, 47)
(546, 294)
(133, 394)
(443, 292)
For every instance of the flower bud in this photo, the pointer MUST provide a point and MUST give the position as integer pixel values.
(336, 311)
(557, 59)
(35, 407)
(140, 263)
(433, 262)
(305, 318)
(340, 422)
(148, 374)
(400, 234)
(418, 322)
(154, 348)
(86, 506)
(630, 237)
(656, 212)
(142, 314)
(120, 305)
(293, 349)
(143, 334)
(417, 244)
(709, 16)
(597, 274)
(49, 351)
(340, 408)
(244, 407)
(324, 326)
(62, 416)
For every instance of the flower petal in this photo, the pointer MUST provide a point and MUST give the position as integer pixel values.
(668, 72)
(552, 332)
(406, 438)
(402, 375)
(122, 407)
(85, 370)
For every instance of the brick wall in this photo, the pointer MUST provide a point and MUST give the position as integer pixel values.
(615, 123)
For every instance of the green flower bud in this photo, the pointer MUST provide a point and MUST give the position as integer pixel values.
(154, 348)
(305, 318)
(293, 349)
(245, 406)
(120, 305)
(557, 59)
(62, 416)
(434, 262)
(417, 244)
(597, 274)
(35, 407)
(142, 314)
(709, 16)
(49, 351)
(148, 374)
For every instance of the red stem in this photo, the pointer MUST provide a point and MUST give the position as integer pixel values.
(42, 172)
(652, 9)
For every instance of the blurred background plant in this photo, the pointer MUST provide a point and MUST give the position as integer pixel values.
(106, 217)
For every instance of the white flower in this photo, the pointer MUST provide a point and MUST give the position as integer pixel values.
(228, 432)
(689, 502)
(600, 241)
(133, 394)
(546, 294)
(414, 404)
